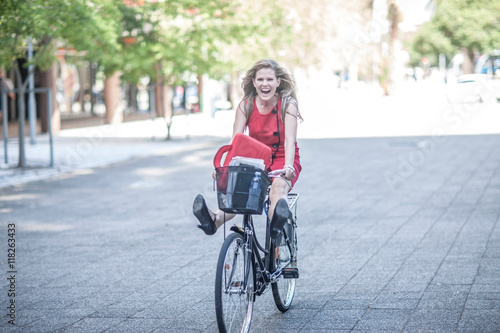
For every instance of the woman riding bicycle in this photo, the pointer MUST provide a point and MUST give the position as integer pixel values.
(270, 110)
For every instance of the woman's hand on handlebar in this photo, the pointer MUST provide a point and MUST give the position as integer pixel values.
(289, 174)
(286, 173)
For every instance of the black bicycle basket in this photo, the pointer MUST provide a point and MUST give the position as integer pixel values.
(237, 191)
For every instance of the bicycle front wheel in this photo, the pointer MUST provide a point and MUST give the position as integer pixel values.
(284, 255)
(234, 286)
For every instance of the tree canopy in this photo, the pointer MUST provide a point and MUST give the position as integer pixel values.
(172, 37)
(137, 37)
(473, 26)
(92, 27)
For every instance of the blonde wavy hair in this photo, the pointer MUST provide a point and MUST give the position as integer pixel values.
(287, 88)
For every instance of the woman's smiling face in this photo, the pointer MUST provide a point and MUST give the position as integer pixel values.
(266, 83)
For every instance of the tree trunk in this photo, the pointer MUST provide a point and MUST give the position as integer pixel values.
(394, 18)
(468, 65)
(167, 107)
(48, 80)
(112, 94)
(159, 98)
(236, 94)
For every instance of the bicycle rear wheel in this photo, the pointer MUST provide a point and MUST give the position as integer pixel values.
(234, 286)
(284, 255)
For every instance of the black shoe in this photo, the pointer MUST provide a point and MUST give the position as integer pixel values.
(202, 213)
(280, 216)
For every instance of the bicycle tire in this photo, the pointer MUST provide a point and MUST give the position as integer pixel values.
(233, 301)
(283, 251)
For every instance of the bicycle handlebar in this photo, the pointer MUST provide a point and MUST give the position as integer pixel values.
(276, 173)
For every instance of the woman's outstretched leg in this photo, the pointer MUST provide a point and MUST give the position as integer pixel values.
(209, 221)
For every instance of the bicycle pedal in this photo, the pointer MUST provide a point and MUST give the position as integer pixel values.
(290, 273)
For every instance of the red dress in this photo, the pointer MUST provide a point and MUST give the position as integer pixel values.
(270, 130)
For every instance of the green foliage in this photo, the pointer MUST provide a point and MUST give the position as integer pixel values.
(460, 24)
(79, 24)
(173, 39)
(160, 39)
(430, 43)
(265, 33)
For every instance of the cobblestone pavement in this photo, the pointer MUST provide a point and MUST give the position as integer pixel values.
(395, 234)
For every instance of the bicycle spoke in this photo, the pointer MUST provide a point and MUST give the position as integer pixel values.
(284, 256)
(233, 297)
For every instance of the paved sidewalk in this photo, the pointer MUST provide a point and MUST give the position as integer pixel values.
(395, 235)
(90, 147)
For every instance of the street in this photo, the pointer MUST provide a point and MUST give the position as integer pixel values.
(396, 234)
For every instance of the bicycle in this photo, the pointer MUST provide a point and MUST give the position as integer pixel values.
(245, 268)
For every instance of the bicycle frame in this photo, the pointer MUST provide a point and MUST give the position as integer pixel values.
(263, 276)
(246, 269)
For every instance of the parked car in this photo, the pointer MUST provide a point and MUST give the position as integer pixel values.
(489, 64)
(483, 86)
